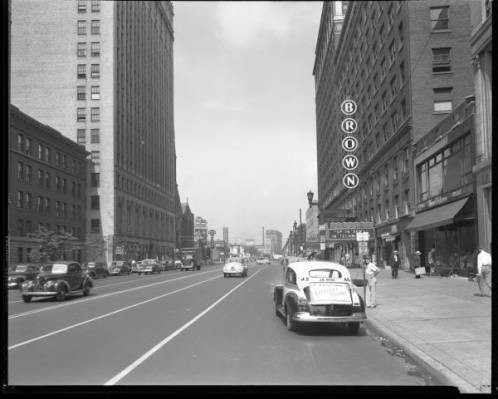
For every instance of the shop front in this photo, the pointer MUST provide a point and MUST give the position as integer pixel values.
(394, 237)
(450, 229)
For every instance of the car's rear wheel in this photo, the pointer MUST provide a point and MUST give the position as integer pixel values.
(354, 327)
(289, 322)
(26, 298)
(61, 294)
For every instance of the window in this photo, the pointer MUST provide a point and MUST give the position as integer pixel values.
(95, 226)
(81, 28)
(95, 70)
(406, 202)
(81, 49)
(95, 156)
(47, 205)
(64, 161)
(81, 71)
(95, 114)
(57, 208)
(441, 59)
(439, 18)
(396, 206)
(81, 136)
(47, 179)
(40, 151)
(64, 184)
(395, 168)
(28, 198)
(95, 136)
(81, 115)
(20, 142)
(40, 178)
(58, 158)
(73, 188)
(95, 27)
(57, 183)
(28, 171)
(73, 211)
(20, 199)
(78, 190)
(47, 154)
(20, 171)
(64, 210)
(28, 147)
(39, 204)
(95, 5)
(95, 49)
(387, 210)
(82, 6)
(406, 160)
(95, 90)
(95, 179)
(94, 202)
(442, 100)
(81, 93)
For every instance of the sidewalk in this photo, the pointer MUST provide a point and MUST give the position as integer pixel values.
(439, 322)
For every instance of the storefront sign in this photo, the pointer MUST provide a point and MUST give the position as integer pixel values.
(349, 144)
(387, 237)
(441, 199)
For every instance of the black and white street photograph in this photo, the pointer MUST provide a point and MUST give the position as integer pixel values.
(278, 196)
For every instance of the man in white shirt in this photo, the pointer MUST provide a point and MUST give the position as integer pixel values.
(371, 271)
(483, 277)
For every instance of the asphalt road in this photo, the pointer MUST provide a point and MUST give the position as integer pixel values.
(186, 328)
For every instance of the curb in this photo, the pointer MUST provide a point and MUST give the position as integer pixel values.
(445, 375)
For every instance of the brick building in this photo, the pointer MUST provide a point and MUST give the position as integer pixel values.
(47, 183)
(101, 73)
(405, 64)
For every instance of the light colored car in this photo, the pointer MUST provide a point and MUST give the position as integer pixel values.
(119, 268)
(188, 264)
(263, 261)
(318, 292)
(147, 266)
(178, 264)
(235, 266)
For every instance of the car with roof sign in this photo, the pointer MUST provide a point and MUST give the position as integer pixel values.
(58, 279)
(20, 273)
(318, 292)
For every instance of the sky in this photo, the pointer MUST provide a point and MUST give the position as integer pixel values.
(245, 112)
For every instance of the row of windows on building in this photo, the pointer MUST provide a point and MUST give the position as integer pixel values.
(24, 200)
(82, 68)
(83, 6)
(25, 254)
(81, 136)
(60, 160)
(26, 228)
(94, 114)
(94, 92)
(25, 175)
(94, 27)
(140, 191)
(81, 49)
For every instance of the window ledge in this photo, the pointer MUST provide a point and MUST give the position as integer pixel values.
(443, 73)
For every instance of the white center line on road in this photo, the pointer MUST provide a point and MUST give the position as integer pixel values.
(153, 350)
(105, 295)
(109, 314)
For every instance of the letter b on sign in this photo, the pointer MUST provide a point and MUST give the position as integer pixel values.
(348, 107)
(350, 180)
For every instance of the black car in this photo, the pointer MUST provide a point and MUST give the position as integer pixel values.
(20, 273)
(96, 269)
(57, 279)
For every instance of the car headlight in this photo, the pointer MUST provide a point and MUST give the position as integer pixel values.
(50, 284)
(27, 284)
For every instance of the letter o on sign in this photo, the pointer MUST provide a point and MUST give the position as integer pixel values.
(350, 180)
(348, 107)
(349, 143)
(349, 125)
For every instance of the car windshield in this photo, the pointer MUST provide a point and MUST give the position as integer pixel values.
(21, 268)
(46, 268)
(324, 273)
(59, 268)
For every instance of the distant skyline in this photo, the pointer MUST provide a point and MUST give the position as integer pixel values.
(245, 112)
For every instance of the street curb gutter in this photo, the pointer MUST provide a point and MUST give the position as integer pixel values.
(442, 373)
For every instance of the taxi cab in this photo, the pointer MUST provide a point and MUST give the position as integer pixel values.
(318, 292)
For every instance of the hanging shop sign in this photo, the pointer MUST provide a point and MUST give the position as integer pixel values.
(387, 237)
(349, 144)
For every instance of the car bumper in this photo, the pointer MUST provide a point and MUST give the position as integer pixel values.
(39, 293)
(307, 317)
(115, 272)
(13, 285)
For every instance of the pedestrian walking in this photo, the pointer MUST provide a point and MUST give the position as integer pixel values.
(417, 262)
(483, 277)
(371, 272)
(395, 264)
(431, 260)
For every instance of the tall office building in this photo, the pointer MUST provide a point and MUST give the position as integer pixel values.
(225, 234)
(274, 241)
(406, 65)
(101, 73)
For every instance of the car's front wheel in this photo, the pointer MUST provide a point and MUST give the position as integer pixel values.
(289, 322)
(86, 289)
(26, 298)
(61, 295)
(354, 327)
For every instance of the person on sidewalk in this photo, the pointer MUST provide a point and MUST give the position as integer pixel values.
(395, 264)
(431, 260)
(483, 277)
(416, 262)
(371, 271)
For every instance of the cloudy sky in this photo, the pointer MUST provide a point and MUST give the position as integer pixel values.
(245, 112)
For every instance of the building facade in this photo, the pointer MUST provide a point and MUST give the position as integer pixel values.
(405, 64)
(445, 212)
(225, 235)
(187, 240)
(101, 73)
(47, 183)
(482, 55)
(312, 227)
(274, 241)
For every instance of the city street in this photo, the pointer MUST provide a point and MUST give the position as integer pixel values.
(187, 328)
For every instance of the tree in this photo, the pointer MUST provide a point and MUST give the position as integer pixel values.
(52, 244)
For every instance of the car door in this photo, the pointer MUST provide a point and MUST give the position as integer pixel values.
(74, 275)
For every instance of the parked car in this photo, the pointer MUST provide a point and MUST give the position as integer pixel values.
(235, 266)
(147, 266)
(318, 291)
(188, 264)
(263, 261)
(178, 264)
(135, 267)
(118, 268)
(58, 280)
(20, 273)
(96, 269)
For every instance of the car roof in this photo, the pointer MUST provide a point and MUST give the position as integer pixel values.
(305, 266)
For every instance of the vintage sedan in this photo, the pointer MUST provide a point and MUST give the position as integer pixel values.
(20, 273)
(58, 280)
(263, 261)
(235, 266)
(119, 268)
(321, 292)
(147, 266)
(96, 269)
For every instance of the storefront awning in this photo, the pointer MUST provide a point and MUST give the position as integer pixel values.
(440, 216)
